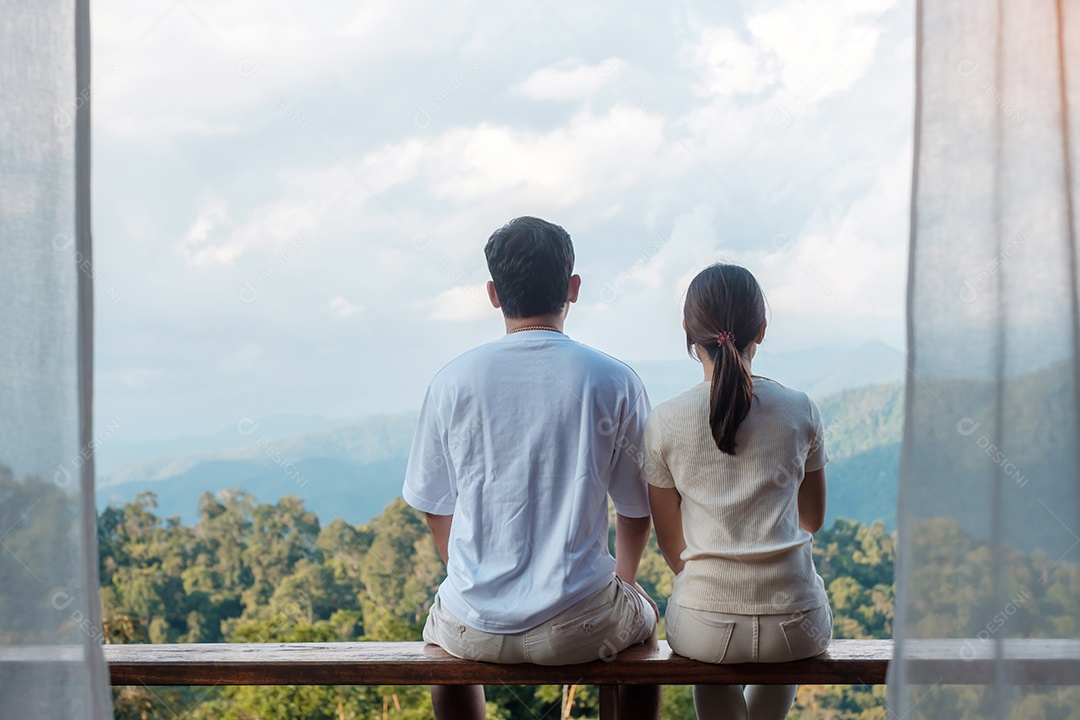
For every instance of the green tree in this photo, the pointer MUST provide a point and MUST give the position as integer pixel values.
(400, 572)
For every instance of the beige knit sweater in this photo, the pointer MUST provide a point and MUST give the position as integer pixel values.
(745, 552)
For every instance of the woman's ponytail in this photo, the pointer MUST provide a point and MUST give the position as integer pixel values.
(730, 395)
(723, 314)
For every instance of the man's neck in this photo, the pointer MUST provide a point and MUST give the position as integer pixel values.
(554, 322)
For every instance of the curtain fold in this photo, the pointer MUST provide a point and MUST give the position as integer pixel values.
(988, 577)
(51, 664)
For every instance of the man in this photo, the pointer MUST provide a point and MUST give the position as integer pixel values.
(519, 445)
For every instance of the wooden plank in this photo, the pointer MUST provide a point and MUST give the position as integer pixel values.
(399, 663)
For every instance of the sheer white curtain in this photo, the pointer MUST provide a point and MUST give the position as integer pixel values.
(989, 515)
(51, 664)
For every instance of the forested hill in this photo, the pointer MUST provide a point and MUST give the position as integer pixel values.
(353, 471)
(863, 432)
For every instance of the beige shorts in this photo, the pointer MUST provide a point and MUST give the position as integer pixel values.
(715, 637)
(596, 628)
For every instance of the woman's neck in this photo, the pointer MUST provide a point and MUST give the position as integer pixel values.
(707, 363)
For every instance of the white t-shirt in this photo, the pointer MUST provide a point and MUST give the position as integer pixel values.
(523, 440)
(745, 552)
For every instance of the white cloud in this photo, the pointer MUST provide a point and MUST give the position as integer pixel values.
(570, 80)
(342, 308)
(729, 66)
(591, 156)
(303, 198)
(822, 48)
(202, 243)
(463, 303)
(805, 51)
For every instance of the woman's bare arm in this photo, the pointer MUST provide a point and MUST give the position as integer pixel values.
(667, 518)
(812, 501)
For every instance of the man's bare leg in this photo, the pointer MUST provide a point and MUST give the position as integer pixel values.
(458, 702)
(640, 702)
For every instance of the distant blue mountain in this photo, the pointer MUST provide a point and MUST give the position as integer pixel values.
(352, 471)
(117, 452)
(331, 488)
(349, 471)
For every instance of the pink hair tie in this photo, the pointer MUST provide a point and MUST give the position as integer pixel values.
(724, 337)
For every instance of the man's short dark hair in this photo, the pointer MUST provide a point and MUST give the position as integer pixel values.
(531, 261)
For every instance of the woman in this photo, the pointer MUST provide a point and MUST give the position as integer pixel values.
(737, 485)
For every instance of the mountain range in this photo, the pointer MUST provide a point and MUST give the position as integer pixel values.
(353, 469)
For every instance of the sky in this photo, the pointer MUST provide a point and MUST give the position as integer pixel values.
(291, 199)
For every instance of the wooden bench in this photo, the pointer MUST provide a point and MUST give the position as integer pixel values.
(847, 662)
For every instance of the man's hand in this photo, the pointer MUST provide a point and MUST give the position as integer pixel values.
(655, 607)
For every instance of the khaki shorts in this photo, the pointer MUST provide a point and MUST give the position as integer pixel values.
(715, 637)
(596, 628)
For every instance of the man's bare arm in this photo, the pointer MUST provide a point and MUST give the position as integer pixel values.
(631, 536)
(440, 531)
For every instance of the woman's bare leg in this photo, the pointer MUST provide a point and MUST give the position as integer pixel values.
(769, 702)
(719, 702)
